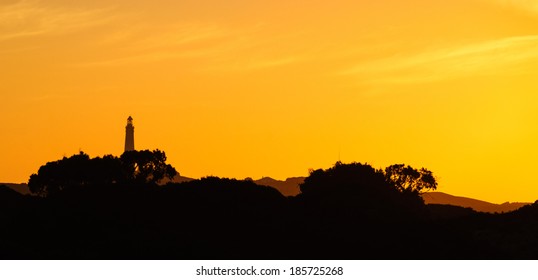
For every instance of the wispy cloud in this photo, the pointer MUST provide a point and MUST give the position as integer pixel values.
(183, 34)
(179, 41)
(485, 58)
(34, 18)
(147, 57)
(217, 47)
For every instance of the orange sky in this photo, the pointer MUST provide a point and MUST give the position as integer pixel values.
(272, 88)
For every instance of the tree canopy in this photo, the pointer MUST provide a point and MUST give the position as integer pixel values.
(409, 179)
(132, 167)
(393, 193)
(353, 177)
(365, 178)
(146, 166)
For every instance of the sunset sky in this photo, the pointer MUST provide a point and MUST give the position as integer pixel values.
(242, 88)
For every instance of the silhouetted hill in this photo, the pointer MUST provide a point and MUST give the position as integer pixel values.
(447, 211)
(177, 179)
(7, 194)
(290, 187)
(475, 204)
(20, 188)
(208, 218)
(514, 233)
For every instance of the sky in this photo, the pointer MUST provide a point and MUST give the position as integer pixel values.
(273, 88)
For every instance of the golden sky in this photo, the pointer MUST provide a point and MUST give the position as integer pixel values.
(242, 88)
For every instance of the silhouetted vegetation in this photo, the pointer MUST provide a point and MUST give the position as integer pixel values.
(133, 167)
(114, 208)
(409, 179)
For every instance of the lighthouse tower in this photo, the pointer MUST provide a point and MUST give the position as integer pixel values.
(129, 135)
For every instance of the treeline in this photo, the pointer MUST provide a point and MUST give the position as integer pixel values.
(349, 211)
(131, 168)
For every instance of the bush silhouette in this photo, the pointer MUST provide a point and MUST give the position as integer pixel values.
(409, 179)
(146, 166)
(359, 189)
(133, 167)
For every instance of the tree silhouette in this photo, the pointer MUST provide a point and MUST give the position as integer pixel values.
(146, 166)
(80, 170)
(62, 174)
(358, 189)
(346, 178)
(409, 179)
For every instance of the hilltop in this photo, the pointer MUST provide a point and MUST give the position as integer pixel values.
(20, 188)
(475, 204)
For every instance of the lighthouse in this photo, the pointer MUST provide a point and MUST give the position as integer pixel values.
(129, 135)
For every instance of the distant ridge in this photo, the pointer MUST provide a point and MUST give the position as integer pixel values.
(290, 187)
(181, 179)
(475, 204)
(20, 188)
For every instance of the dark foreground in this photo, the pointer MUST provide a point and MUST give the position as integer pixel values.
(212, 218)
